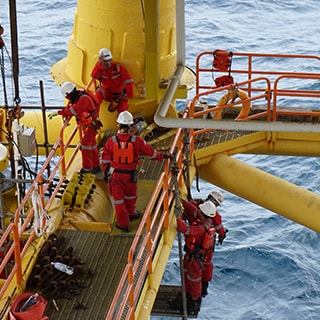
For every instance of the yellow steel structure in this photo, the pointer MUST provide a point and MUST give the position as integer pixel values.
(264, 189)
(141, 36)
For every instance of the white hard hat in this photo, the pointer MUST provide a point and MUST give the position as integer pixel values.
(216, 196)
(66, 88)
(208, 208)
(125, 117)
(105, 54)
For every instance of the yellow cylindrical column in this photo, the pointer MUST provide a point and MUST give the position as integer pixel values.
(257, 186)
(120, 26)
(146, 47)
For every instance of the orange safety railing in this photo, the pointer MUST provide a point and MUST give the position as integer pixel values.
(15, 232)
(153, 226)
(278, 92)
(154, 223)
(264, 96)
(243, 65)
(252, 79)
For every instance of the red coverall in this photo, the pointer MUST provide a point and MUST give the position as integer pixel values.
(191, 213)
(85, 104)
(193, 272)
(121, 187)
(115, 82)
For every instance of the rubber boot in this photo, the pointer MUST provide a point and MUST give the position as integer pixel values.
(205, 288)
(193, 306)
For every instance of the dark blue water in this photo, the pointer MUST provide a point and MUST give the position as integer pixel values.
(268, 267)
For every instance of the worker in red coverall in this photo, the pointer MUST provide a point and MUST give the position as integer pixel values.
(84, 107)
(115, 82)
(120, 158)
(191, 213)
(199, 240)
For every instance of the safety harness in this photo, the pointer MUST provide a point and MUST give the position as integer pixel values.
(87, 118)
(200, 251)
(123, 151)
(115, 74)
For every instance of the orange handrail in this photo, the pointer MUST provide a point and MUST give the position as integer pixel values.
(248, 62)
(152, 226)
(155, 218)
(155, 221)
(14, 232)
(263, 83)
(294, 93)
(269, 92)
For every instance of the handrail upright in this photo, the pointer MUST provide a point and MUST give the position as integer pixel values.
(149, 238)
(14, 230)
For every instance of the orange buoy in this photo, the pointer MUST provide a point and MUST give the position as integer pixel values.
(231, 95)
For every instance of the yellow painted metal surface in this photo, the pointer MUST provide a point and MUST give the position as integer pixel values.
(145, 44)
(4, 159)
(149, 293)
(267, 143)
(257, 186)
(106, 24)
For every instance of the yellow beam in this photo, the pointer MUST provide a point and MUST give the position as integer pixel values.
(152, 51)
(270, 192)
(267, 143)
(291, 144)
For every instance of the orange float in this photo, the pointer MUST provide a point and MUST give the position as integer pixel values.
(233, 94)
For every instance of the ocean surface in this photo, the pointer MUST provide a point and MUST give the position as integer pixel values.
(268, 267)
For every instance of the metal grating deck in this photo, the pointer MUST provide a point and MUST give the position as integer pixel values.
(161, 306)
(104, 258)
(105, 255)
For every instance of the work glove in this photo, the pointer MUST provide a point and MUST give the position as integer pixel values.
(198, 201)
(113, 105)
(52, 114)
(97, 124)
(167, 155)
(180, 224)
(222, 236)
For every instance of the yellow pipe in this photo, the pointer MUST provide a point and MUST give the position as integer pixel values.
(270, 192)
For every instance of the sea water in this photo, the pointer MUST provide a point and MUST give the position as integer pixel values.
(268, 267)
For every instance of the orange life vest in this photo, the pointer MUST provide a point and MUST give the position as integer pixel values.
(86, 118)
(222, 60)
(223, 81)
(209, 237)
(91, 95)
(123, 151)
(208, 241)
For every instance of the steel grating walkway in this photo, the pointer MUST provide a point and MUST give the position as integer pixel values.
(105, 254)
(104, 257)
